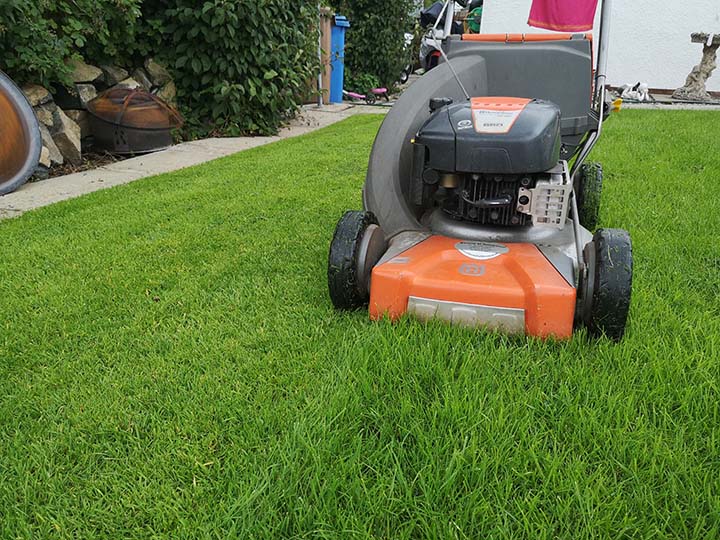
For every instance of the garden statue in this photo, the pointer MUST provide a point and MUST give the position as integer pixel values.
(694, 89)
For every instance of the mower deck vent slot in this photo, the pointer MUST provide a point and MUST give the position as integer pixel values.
(511, 320)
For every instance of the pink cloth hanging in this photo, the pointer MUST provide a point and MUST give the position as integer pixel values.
(563, 15)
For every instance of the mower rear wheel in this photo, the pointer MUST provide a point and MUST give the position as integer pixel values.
(356, 248)
(609, 284)
(588, 190)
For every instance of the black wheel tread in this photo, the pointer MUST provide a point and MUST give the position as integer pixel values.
(342, 260)
(613, 283)
(589, 193)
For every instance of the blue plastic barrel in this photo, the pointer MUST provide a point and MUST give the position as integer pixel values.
(337, 58)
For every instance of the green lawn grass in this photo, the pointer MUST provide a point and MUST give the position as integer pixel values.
(171, 366)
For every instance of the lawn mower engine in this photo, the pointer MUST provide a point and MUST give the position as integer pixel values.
(493, 161)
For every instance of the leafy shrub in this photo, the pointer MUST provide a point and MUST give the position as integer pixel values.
(360, 83)
(240, 65)
(376, 41)
(37, 37)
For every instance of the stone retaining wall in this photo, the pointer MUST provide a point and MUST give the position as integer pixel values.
(63, 115)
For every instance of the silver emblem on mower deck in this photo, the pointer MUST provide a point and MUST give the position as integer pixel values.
(481, 251)
(471, 269)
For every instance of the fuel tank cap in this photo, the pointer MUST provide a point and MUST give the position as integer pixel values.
(438, 103)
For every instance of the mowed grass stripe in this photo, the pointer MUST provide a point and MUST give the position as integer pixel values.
(171, 366)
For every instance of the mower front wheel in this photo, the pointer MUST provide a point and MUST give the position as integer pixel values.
(356, 247)
(608, 285)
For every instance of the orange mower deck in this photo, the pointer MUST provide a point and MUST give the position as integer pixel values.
(509, 287)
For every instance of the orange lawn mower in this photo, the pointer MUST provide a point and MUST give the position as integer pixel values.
(478, 201)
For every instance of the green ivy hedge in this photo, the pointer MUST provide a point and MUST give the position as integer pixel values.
(37, 37)
(375, 48)
(240, 65)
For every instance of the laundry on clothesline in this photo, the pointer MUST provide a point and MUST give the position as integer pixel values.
(563, 15)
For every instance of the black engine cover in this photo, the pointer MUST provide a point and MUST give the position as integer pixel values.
(492, 135)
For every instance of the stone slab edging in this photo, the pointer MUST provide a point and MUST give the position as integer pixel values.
(38, 194)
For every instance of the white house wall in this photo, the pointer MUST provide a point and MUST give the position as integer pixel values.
(650, 38)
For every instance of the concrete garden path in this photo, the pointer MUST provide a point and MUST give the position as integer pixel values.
(37, 194)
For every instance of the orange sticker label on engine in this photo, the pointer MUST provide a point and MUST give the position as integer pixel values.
(496, 115)
(494, 121)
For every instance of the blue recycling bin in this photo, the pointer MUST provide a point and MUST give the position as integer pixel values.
(337, 58)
